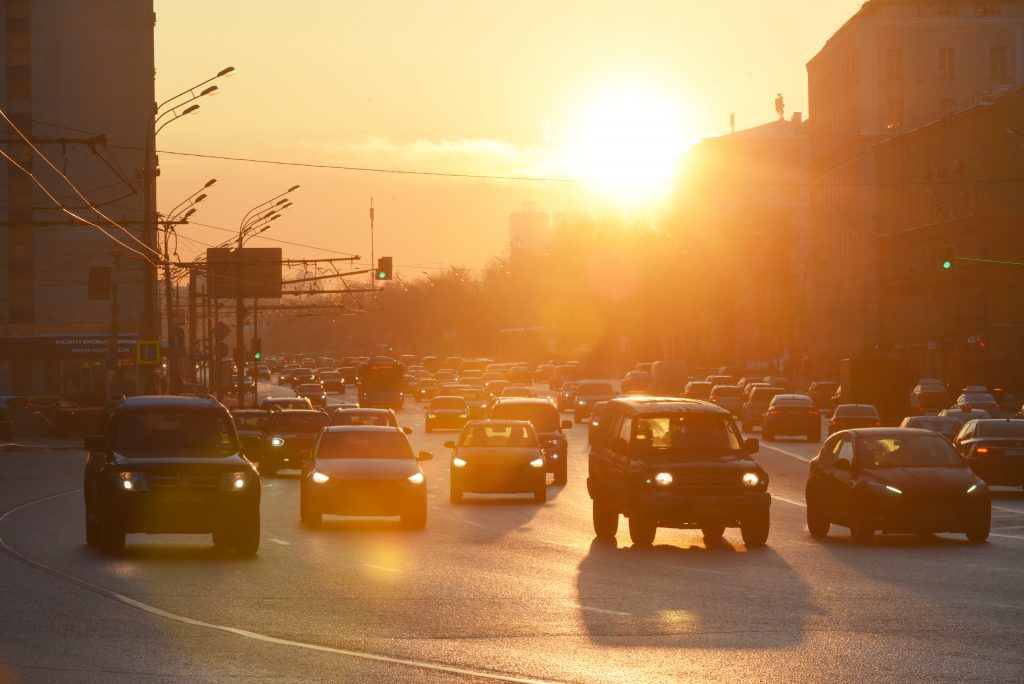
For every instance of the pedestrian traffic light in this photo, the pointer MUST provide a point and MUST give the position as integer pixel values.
(384, 268)
(947, 258)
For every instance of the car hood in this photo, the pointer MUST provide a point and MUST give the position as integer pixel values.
(931, 480)
(368, 468)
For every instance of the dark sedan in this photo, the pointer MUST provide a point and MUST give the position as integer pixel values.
(994, 450)
(978, 400)
(363, 471)
(288, 434)
(494, 456)
(792, 414)
(446, 412)
(894, 480)
(851, 416)
(943, 425)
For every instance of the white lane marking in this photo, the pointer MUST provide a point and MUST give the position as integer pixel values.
(384, 568)
(1007, 510)
(244, 633)
(786, 452)
(1006, 536)
(801, 504)
(604, 610)
(282, 542)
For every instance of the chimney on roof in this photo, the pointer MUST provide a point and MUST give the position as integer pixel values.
(798, 117)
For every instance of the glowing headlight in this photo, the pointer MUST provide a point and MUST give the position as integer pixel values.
(237, 481)
(463, 415)
(416, 478)
(132, 482)
(319, 477)
(277, 441)
(664, 479)
(582, 403)
(974, 488)
(458, 462)
(751, 479)
(537, 463)
(431, 415)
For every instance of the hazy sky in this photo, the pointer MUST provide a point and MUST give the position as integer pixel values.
(478, 86)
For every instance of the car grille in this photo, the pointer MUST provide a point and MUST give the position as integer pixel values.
(179, 482)
(708, 485)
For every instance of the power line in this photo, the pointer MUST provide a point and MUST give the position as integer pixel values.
(270, 239)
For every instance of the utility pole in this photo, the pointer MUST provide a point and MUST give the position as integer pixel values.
(239, 325)
(192, 321)
(173, 358)
(373, 264)
(115, 327)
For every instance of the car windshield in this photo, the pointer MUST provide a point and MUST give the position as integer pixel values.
(911, 451)
(472, 394)
(250, 421)
(448, 403)
(363, 444)
(600, 389)
(977, 397)
(684, 435)
(856, 412)
(498, 436)
(330, 376)
(543, 417)
(764, 394)
(174, 428)
(1001, 428)
(316, 389)
(301, 422)
(361, 418)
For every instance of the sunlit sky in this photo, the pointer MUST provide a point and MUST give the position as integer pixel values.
(607, 91)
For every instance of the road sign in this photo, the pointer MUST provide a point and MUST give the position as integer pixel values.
(248, 273)
(221, 350)
(221, 331)
(147, 352)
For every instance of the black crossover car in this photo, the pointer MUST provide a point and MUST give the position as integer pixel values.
(681, 463)
(894, 480)
(170, 465)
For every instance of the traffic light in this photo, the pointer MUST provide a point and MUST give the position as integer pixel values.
(384, 268)
(948, 257)
(256, 354)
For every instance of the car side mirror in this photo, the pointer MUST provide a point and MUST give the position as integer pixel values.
(407, 430)
(95, 443)
(619, 445)
(449, 444)
(567, 425)
(751, 445)
(425, 456)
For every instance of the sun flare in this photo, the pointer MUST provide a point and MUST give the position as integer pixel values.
(627, 143)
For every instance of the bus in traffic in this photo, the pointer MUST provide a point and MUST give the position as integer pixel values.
(381, 381)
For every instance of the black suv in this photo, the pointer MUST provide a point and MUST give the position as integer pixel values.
(170, 465)
(680, 463)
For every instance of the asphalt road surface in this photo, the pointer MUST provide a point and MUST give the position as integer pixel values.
(498, 589)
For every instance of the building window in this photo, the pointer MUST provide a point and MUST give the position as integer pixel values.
(947, 63)
(894, 63)
(987, 9)
(997, 62)
(894, 114)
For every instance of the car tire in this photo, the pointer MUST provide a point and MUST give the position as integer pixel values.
(310, 517)
(978, 532)
(245, 541)
(861, 532)
(454, 493)
(754, 529)
(712, 532)
(606, 520)
(540, 494)
(92, 533)
(562, 471)
(416, 517)
(110, 536)
(642, 529)
(817, 523)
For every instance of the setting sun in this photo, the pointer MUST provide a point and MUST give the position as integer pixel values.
(627, 143)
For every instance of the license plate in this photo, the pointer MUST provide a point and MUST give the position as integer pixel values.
(182, 497)
(1015, 452)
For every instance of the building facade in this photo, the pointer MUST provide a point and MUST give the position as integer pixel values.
(78, 81)
(952, 190)
(894, 66)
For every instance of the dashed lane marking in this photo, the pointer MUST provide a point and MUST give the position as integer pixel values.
(282, 542)
(787, 452)
(604, 611)
(244, 633)
(382, 568)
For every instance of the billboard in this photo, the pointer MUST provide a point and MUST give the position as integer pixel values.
(247, 273)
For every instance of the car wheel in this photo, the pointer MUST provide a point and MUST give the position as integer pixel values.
(642, 529)
(817, 523)
(754, 530)
(310, 517)
(92, 534)
(562, 472)
(978, 532)
(606, 520)
(540, 494)
(861, 532)
(416, 517)
(455, 493)
(245, 541)
(712, 532)
(111, 536)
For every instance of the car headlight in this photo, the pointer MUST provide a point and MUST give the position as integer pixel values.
(416, 478)
(458, 462)
(237, 481)
(132, 482)
(431, 415)
(463, 415)
(582, 403)
(277, 441)
(751, 479)
(319, 477)
(537, 463)
(663, 479)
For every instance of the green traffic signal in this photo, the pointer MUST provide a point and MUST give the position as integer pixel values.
(947, 264)
(381, 275)
(257, 355)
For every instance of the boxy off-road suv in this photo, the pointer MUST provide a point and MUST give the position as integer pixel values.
(679, 463)
(170, 465)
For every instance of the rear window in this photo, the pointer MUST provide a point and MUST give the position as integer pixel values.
(1001, 428)
(595, 388)
(498, 436)
(978, 397)
(726, 391)
(544, 417)
(301, 422)
(311, 388)
(793, 401)
(764, 393)
(251, 421)
(857, 412)
(933, 423)
(448, 403)
(360, 444)
(361, 418)
(472, 394)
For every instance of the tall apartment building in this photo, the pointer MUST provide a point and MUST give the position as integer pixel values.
(746, 193)
(894, 66)
(77, 78)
